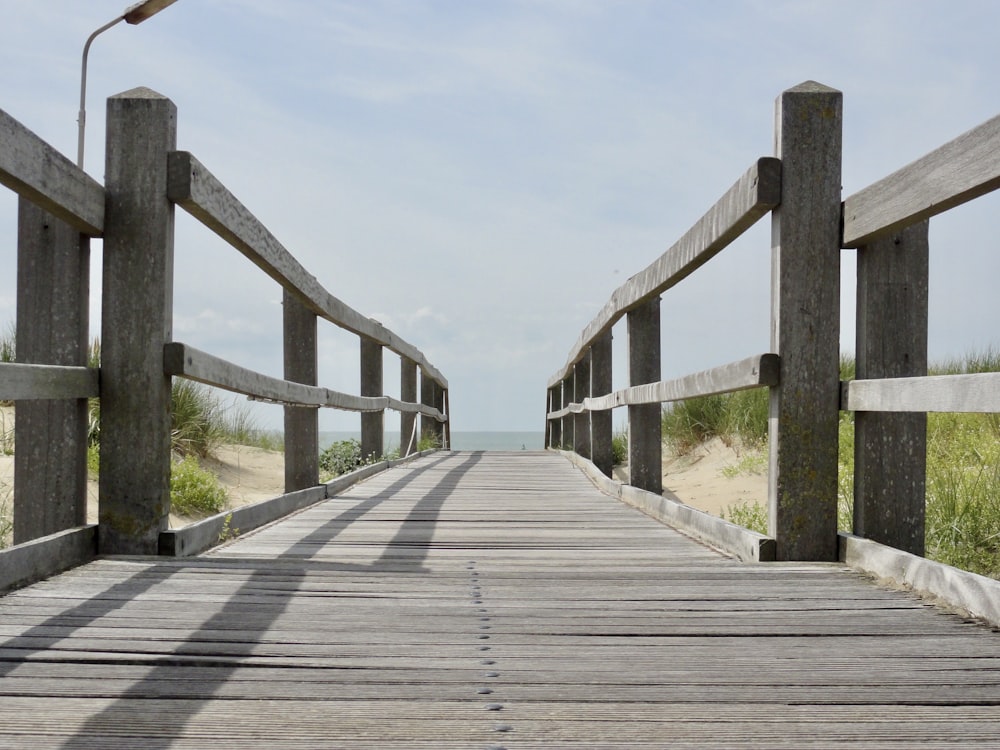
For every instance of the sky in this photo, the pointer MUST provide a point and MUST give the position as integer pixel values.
(481, 176)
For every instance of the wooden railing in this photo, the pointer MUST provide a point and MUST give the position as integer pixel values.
(60, 209)
(887, 222)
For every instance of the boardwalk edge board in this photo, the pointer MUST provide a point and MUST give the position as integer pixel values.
(975, 594)
(200, 536)
(745, 545)
(40, 558)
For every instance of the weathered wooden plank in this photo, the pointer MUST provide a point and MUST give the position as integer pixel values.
(752, 372)
(949, 176)
(979, 392)
(182, 360)
(645, 438)
(201, 194)
(45, 556)
(36, 171)
(371, 383)
(22, 382)
(749, 199)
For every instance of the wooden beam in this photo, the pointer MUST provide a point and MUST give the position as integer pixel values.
(752, 372)
(21, 382)
(750, 198)
(36, 171)
(949, 176)
(192, 187)
(975, 393)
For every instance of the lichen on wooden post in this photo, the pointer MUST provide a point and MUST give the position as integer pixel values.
(805, 324)
(137, 321)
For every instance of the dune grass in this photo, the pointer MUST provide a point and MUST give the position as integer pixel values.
(963, 464)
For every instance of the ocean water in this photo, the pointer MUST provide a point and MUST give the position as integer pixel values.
(460, 441)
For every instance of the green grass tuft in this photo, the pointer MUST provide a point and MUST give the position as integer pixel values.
(195, 491)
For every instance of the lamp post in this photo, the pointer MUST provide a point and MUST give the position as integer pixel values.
(134, 14)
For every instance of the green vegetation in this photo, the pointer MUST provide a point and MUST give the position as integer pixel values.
(344, 456)
(195, 491)
(963, 464)
(619, 447)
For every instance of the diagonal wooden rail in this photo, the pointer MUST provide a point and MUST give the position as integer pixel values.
(484, 600)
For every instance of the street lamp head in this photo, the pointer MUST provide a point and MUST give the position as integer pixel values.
(141, 11)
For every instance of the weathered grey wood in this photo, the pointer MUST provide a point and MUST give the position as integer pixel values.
(977, 393)
(445, 409)
(45, 556)
(21, 382)
(749, 199)
(372, 423)
(553, 424)
(949, 176)
(137, 321)
(37, 172)
(186, 361)
(601, 429)
(645, 440)
(436, 603)
(199, 193)
(668, 509)
(53, 304)
(581, 419)
(972, 593)
(752, 372)
(805, 316)
(890, 450)
(431, 430)
(407, 393)
(301, 422)
(568, 425)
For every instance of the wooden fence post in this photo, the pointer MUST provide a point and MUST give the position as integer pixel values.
(645, 441)
(301, 422)
(581, 421)
(408, 393)
(430, 428)
(53, 289)
(372, 422)
(890, 449)
(554, 426)
(805, 324)
(568, 425)
(601, 430)
(446, 410)
(136, 323)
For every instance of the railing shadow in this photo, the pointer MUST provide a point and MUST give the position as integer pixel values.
(406, 553)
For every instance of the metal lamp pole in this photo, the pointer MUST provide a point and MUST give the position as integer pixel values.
(134, 14)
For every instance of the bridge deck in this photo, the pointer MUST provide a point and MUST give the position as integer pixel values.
(474, 600)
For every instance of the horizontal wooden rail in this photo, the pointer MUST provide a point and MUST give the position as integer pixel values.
(24, 382)
(949, 176)
(185, 361)
(192, 187)
(36, 171)
(979, 392)
(752, 372)
(750, 198)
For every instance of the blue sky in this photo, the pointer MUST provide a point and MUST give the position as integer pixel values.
(480, 176)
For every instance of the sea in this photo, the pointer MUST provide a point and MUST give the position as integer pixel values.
(460, 440)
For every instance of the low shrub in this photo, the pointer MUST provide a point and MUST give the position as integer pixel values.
(340, 457)
(195, 491)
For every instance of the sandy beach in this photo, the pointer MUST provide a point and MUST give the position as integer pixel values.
(711, 478)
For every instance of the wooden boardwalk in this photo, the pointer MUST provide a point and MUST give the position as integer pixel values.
(484, 600)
